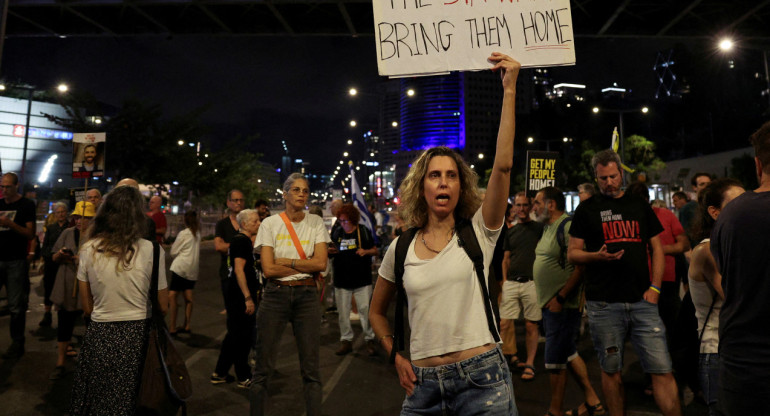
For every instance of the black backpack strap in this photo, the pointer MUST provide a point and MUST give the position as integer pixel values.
(561, 241)
(468, 241)
(402, 248)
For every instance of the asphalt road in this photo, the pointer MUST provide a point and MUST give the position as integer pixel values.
(352, 385)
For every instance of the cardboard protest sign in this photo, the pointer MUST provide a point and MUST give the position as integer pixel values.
(543, 169)
(88, 155)
(423, 37)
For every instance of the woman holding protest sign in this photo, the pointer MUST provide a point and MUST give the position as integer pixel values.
(454, 334)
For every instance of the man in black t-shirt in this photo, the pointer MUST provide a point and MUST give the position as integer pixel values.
(740, 245)
(610, 235)
(17, 227)
(224, 231)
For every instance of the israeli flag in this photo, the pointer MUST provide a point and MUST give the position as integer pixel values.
(358, 201)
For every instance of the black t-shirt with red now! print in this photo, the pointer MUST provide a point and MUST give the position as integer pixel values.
(625, 223)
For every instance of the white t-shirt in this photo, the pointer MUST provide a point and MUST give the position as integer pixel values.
(119, 294)
(446, 306)
(273, 233)
(186, 253)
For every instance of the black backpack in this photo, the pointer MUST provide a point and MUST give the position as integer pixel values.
(467, 240)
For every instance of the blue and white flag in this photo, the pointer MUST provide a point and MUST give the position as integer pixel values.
(358, 201)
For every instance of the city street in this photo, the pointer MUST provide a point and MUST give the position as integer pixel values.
(352, 385)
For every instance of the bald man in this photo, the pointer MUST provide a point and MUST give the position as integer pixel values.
(94, 196)
(158, 217)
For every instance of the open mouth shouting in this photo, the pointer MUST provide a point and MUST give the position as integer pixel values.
(443, 199)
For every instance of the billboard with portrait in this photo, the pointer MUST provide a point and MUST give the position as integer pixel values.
(88, 151)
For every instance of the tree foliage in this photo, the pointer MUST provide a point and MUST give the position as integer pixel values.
(744, 169)
(640, 156)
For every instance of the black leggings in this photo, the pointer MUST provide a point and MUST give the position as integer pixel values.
(49, 277)
(66, 320)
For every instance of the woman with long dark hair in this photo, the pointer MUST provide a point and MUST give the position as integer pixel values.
(455, 359)
(115, 268)
(706, 284)
(184, 271)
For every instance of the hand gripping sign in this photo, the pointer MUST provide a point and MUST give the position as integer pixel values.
(426, 37)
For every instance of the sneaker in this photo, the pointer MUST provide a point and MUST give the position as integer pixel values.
(245, 383)
(345, 348)
(58, 373)
(16, 350)
(217, 379)
(371, 348)
(47, 320)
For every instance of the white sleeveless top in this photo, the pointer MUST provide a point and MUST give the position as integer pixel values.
(446, 307)
(702, 297)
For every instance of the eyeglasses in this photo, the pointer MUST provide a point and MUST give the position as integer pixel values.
(297, 191)
(345, 221)
(7, 186)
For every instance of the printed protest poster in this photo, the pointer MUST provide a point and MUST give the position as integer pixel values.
(425, 37)
(543, 169)
(88, 150)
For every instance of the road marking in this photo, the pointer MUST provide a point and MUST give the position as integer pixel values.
(335, 378)
(201, 351)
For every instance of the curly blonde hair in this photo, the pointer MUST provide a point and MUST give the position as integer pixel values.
(414, 209)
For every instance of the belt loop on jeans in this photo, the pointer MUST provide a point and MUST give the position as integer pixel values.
(417, 373)
(460, 370)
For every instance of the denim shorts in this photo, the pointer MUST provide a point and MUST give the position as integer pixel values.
(610, 323)
(561, 329)
(478, 385)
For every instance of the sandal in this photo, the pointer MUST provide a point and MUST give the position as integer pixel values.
(595, 410)
(527, 372)
(71, 352)
(513, 363)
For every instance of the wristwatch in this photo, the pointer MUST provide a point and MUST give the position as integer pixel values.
(560, 299)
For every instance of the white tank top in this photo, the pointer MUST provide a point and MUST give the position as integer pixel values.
(702, 297)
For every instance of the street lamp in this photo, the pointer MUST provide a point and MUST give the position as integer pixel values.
(726, 45)
(549, 141)
(620, 112)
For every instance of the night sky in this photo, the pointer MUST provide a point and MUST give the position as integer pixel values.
(295, 88)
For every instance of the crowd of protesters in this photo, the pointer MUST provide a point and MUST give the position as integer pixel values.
(684, 286)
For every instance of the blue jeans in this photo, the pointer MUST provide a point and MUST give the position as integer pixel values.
(480, 385)
(14, 274)
(611, 322)
(708, 372)
(281, 305)
(362, 296)
(561, 330)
